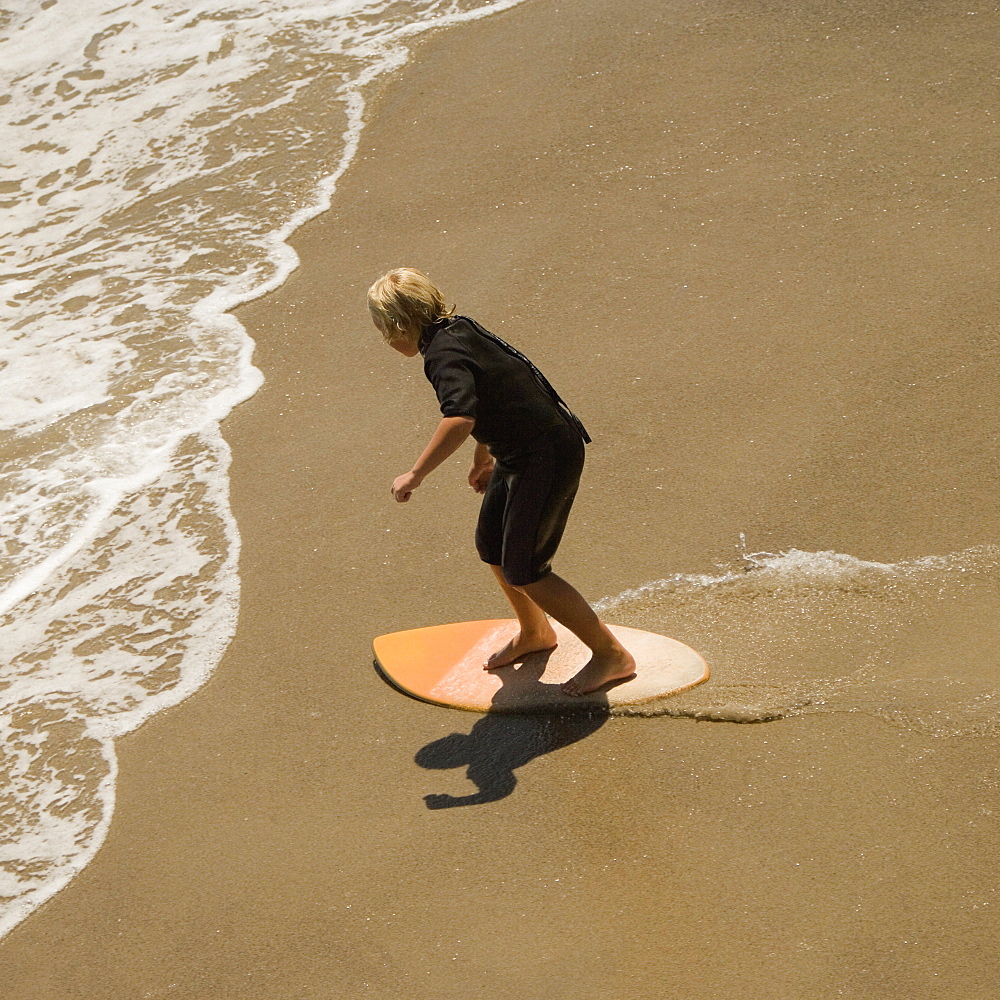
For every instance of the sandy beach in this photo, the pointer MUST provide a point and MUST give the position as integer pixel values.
(754, 248)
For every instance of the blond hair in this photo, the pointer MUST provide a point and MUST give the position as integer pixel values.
(403, 301)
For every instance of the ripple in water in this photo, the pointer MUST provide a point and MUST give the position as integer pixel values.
(914, 643)
(157, 154)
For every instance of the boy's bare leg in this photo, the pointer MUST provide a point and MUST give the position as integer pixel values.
(611, 660)
(536, 633)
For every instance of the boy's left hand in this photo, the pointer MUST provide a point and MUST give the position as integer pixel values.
(404, 485)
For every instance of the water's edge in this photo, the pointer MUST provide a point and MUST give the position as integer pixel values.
(28, 707)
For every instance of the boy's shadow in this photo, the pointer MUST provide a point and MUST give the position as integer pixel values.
(502, 741)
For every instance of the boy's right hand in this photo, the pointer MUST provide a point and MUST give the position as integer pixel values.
(479, 476)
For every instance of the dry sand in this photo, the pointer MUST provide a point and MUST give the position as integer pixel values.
(746, 242)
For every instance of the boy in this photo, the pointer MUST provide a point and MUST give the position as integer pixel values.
(527, 465)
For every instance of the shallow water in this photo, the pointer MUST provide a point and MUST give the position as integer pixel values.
(914, 643)
(156, 156)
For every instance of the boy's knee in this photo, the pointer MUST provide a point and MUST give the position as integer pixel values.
(511, 577)
(520, 579)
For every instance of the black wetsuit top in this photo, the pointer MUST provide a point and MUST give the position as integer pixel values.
(476, 374)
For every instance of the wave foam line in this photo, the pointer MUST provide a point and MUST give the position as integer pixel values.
(73, 848)
(912, 642)
(214, 310)
(796, 566)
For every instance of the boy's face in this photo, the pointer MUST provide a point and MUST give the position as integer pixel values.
(406, 346)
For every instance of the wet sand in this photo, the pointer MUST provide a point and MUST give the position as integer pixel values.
(751, 248)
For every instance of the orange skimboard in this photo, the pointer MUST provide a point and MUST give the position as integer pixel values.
(443, 664)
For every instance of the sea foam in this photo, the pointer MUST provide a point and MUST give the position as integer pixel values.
(790, 633)
(156, 157)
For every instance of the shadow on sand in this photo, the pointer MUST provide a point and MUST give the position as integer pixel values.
(508, 736)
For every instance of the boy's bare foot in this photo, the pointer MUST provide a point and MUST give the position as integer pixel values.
(618, 665)
(520, 646)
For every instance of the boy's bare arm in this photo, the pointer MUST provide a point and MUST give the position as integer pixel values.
(449, 436)
(482, 455)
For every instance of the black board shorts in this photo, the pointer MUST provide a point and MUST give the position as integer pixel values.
(527, 503)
